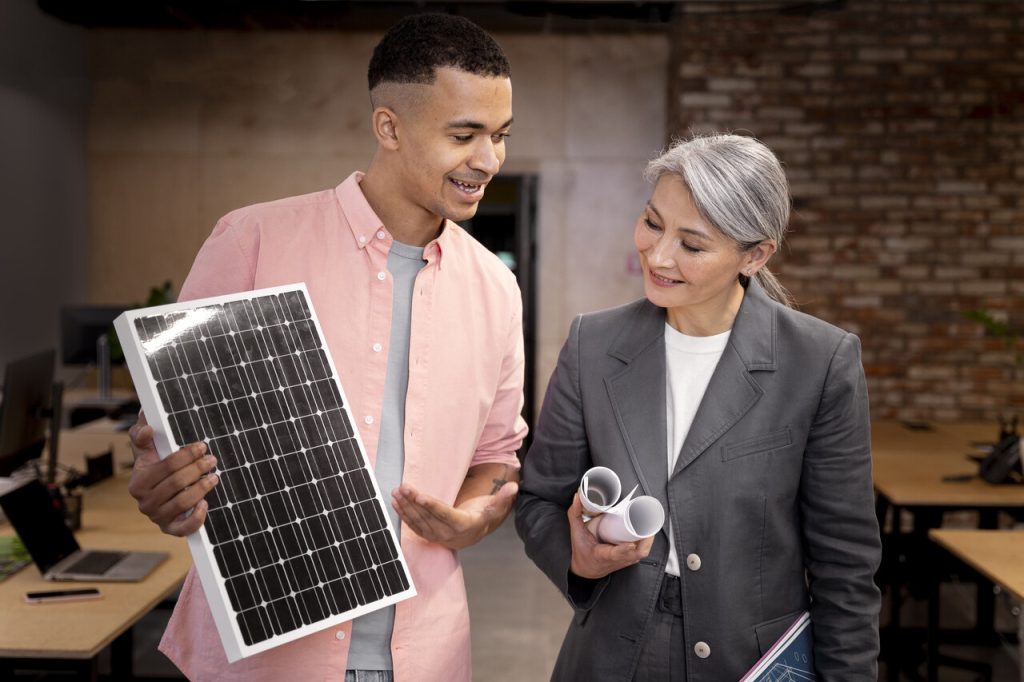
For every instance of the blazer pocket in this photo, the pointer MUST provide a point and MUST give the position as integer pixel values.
(769, 631)
(752, 446)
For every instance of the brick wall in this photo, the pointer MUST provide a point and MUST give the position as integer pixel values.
(901, 126)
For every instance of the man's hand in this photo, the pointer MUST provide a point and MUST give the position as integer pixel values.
(594, 559)
(167, 489)
(455, 527)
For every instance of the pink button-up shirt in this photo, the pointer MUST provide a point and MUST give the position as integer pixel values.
(462, 407)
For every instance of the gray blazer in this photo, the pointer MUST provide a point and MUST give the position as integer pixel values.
(771, 494)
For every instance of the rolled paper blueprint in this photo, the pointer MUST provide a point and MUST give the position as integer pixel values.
(615, 521)
(599, 490)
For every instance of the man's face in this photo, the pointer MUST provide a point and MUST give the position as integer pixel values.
(452, 142)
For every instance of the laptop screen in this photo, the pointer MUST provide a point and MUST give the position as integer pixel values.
(39, 524)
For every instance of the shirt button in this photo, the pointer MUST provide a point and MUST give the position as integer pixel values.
(702, 649)
(340, 634)
(380, 234)
(693, 562)
(368, 419)
(362, 240)
(381, 275)
(377, 347)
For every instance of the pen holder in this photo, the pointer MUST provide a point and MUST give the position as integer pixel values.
(73, 511)
(69, 504)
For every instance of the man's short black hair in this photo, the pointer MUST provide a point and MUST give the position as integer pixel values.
(414, 48)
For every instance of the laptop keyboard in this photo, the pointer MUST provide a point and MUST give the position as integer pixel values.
(95, 563)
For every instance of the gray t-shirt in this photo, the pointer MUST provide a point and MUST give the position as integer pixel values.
(370, 648)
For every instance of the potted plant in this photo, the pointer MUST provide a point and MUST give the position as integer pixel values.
(1004, 463)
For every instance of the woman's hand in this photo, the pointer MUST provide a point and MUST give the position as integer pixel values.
(594, 559)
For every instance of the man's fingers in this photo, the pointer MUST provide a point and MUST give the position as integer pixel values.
(184, 525)
(188, 498)
(188, 477)
(429, 510)
(188, 454)
(411, 513)
(434, 509)
(141, 433)
(150, 471)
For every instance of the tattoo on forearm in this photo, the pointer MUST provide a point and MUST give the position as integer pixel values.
(500, 481)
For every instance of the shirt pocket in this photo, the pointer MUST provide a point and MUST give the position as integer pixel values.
(752, 446)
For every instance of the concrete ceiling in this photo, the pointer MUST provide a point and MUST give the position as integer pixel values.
(494, 15)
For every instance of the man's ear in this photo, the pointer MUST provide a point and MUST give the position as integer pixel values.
(385, 127)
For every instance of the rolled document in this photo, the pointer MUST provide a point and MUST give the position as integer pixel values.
(599, 490)
(615, 521)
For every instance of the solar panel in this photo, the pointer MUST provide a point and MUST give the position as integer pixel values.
(297, 537)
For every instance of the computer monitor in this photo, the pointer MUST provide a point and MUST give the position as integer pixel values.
(87, 338)
(29, 399)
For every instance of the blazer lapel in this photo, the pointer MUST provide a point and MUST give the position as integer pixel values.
(733, 390)
(637, 395)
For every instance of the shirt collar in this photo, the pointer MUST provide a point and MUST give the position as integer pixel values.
(365, 224)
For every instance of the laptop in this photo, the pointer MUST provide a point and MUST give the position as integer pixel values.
(53, 547)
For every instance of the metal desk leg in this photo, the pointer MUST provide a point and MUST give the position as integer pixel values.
(1020, 639)
(934, 609)
(985, 613)
(892, 665)
(121, 651)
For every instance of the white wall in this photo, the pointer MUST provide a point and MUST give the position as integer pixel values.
(43, 188)
(186, 126)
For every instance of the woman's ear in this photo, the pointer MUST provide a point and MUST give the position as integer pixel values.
(758, 256)
(385, 127)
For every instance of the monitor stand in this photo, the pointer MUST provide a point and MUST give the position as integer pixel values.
(104, 396)
(56, 415)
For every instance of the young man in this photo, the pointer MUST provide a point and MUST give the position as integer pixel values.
(424, 325)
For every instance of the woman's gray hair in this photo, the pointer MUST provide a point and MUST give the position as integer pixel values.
(738, 186)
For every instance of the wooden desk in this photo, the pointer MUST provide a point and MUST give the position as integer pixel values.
(999, 556)
(908, 470)
(93, 439)
(909, 466)
(79, 631)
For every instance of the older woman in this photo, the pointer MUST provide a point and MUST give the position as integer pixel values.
(747, 419)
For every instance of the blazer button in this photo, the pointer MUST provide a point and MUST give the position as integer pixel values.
(693, 562)
(702, 649)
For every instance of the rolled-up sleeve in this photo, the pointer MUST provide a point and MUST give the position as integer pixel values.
(226, 263)
(505, 428)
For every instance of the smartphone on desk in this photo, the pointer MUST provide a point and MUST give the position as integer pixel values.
(62, 595)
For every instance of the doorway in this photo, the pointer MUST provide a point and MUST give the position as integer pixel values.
(505, 223)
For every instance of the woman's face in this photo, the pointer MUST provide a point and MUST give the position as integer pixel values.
(689, 267)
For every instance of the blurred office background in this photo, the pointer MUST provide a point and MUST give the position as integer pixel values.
(127, 129)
